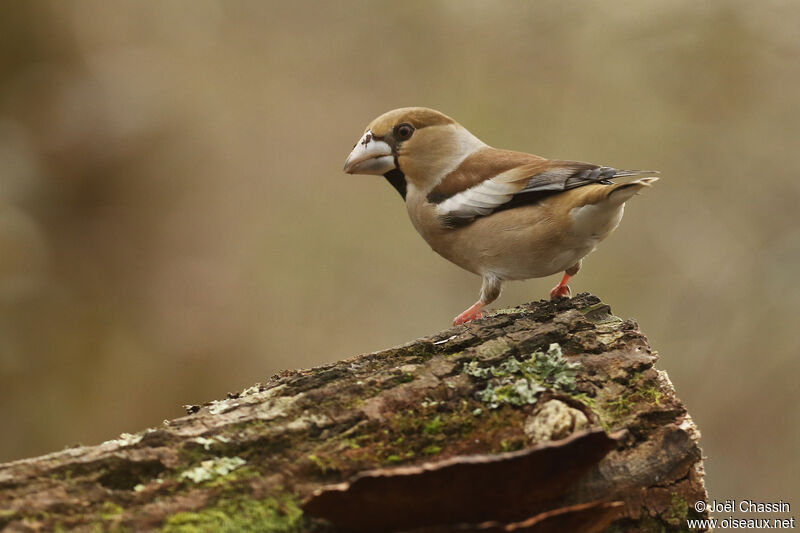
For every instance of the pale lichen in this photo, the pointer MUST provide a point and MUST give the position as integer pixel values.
(207, 443)
(126, 439)
(141, 487)
(555, 420)
(276, 408)
(217, 407)
(508, 311)
(492, 348)
(514, 392)
(517, 382)
(212, 469)
(250, 390)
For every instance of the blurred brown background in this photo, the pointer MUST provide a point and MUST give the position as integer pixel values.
(174, 222)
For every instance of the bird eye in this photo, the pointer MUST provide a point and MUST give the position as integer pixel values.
(403, 131)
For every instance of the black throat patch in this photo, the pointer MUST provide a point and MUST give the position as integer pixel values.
(398, 181)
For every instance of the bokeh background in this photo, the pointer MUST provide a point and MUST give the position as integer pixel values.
(174, 222)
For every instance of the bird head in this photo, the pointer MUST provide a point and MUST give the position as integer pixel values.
(420, 143)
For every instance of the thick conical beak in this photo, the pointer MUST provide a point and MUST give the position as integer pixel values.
(370, 156)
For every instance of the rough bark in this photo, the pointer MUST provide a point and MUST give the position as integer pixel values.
(462, 428)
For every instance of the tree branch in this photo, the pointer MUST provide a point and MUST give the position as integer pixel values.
(546, 417)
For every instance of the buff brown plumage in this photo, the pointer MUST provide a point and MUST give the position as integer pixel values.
(500, 214)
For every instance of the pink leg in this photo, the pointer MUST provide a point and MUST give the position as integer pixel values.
(472, 313)
(562, 289)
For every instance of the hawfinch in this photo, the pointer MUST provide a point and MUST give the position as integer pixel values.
(499, 214)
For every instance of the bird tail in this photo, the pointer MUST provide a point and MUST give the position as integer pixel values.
(622, 192)
(625, 173)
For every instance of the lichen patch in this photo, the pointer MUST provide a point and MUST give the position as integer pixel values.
(555, 420)
(212, 468)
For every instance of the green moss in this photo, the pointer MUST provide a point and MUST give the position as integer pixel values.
(6, 516)
(245, 472)
(420, 351)
(678, 511)
(324, 464)
(434, 426)
(65, 474)
(351, 443)
(651, 395)
(614, 411)
(511, 445)
(620, 406)
(232, 515)
(110, 511)
(588, 401)
(432, 449)
(193, 453)
(406, 435)
(399, 457)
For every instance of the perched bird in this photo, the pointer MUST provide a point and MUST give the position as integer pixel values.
(500, 214)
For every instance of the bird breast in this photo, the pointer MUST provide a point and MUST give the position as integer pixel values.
(521, 243)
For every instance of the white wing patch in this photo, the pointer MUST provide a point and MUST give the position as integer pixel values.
(489, 195)
(479, 200)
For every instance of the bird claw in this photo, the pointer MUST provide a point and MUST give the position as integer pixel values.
(467, 316)
(560, 291)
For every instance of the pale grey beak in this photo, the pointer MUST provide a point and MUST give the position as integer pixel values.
(370, 156)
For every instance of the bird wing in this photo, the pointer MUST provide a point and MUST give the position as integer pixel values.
(496, 180)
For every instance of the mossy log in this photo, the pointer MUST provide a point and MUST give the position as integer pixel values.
(546, 417)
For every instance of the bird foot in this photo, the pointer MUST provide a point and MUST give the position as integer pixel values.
(560, 291)
(473, 313)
